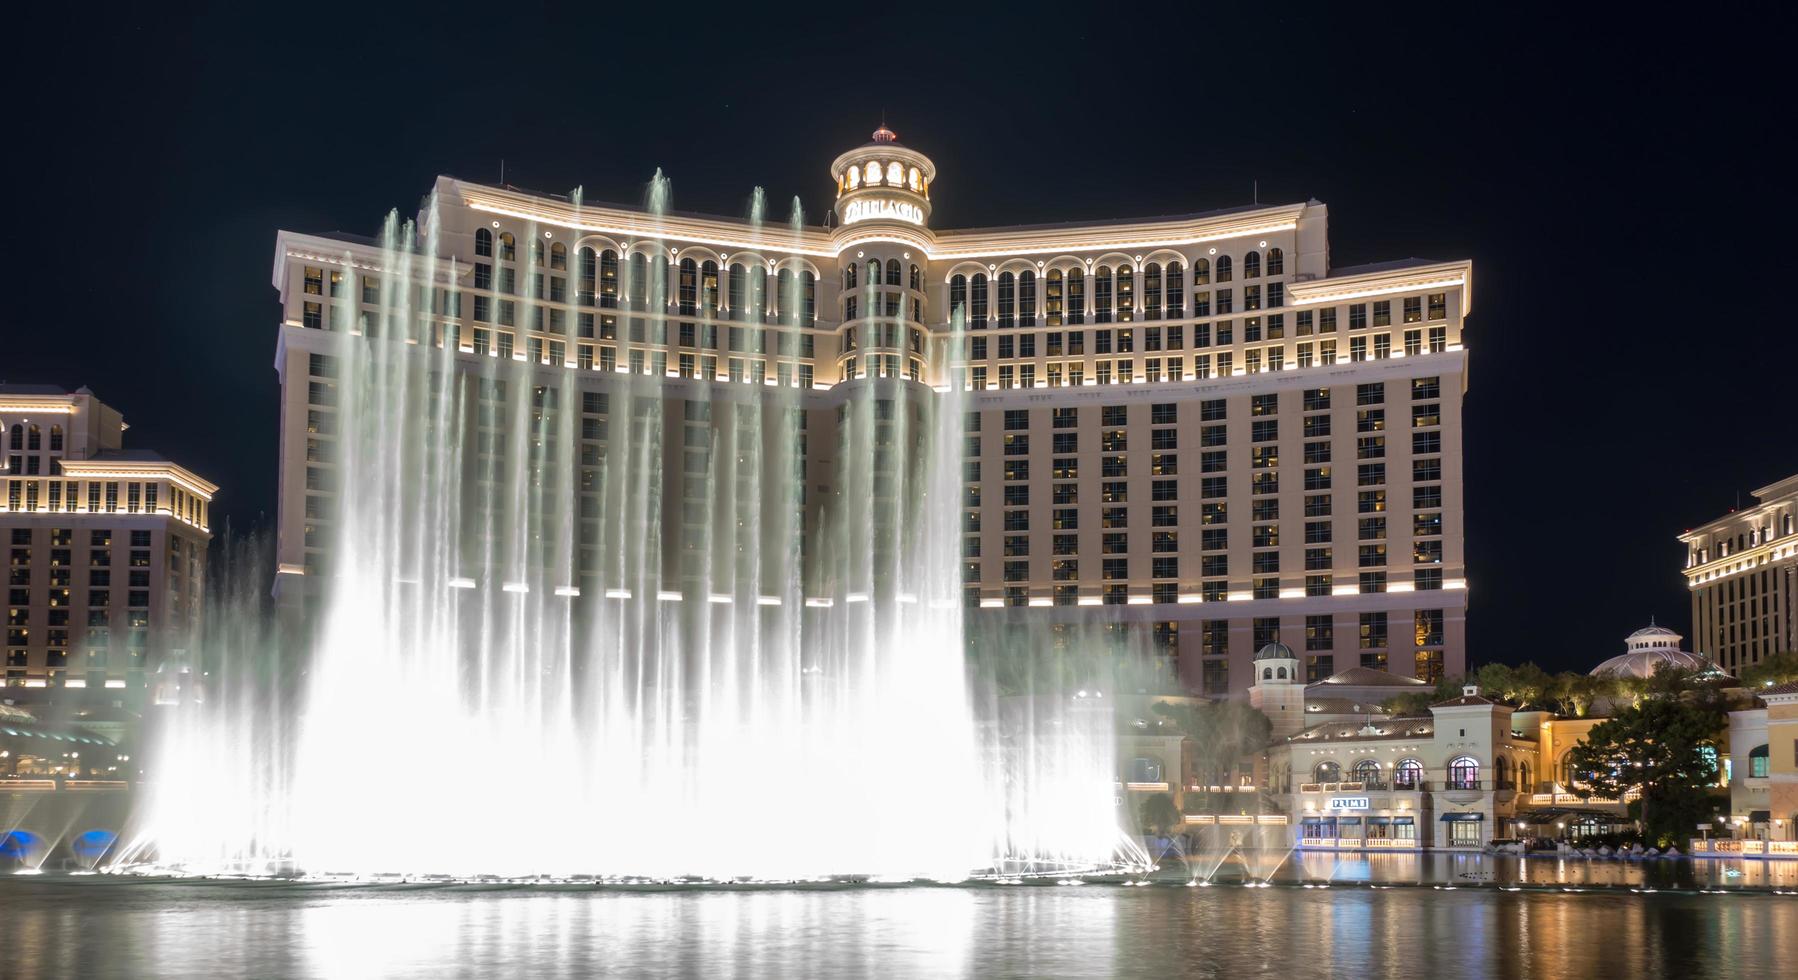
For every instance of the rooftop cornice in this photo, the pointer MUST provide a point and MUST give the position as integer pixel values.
(140, 469)
(1335, 289)
(629, 223)
(47, 404)
(1128, 236)
(1778, 500)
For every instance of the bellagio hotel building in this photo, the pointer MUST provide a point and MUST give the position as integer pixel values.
(1194, 421)
(105, 549)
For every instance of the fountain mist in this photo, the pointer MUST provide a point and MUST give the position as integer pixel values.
(624, 624)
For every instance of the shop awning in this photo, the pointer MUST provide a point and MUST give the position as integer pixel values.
(1760, 816)
(1402, 821)
(1462, 817)
(1380, 821)
(1348, 821)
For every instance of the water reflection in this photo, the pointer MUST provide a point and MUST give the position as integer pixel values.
(87, 927)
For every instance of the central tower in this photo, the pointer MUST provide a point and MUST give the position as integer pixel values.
(883, 249)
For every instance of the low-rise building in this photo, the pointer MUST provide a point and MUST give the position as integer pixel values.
(1763, 768)
(106, 547)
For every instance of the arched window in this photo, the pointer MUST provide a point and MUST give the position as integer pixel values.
(873, 272)
(1327, 772)
(1151, 291)
(636, 281)
(1026, 298)
(917, 279)
(1464, 773)
(1267, 673)
(1126, 296)
(659, 294)
(34, 438)
(914, 179)
(1175, 303)
(586, 276)
(849, 276)
(18, 438)
(1102, 294)
(708, 288)
(56, 438)
(811, 298)
(1280, 673)
(1501, 769)
(483, 242)
(758, 291)
(1367, 771)
(1223, 268)
(893, 271)
(958, 295)
(854, 176)
(1758, 762)
(1076, 296)
(1276, 262)
(1052, 298)
(1251, 265)
(1523, 778)
(1569, 776)
(871, 173)
(536, 252)
(1201, 272)
(508, 247)
(608, 278)
(558, 256)
(977, 300)
(784, 298)
(1145, 770)
(689, 288)
(895, 176)
(1408, 773)
(739, 281)
(1008, 300)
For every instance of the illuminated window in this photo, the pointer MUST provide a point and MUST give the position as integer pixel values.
(914, 180)
(855, 178)
(1409, 772)
(895, 175)
(871, 173)
(1464, 773)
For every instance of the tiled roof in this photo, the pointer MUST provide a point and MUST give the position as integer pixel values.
(1464, 701)
(1368, 677)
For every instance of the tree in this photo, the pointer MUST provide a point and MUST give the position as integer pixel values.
(1524, 686)
(1157, 815)
(1222, 733)
(1780, 668)
(1664, 747)
(1573, 692)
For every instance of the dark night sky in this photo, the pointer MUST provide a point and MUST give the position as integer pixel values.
(1617, 184)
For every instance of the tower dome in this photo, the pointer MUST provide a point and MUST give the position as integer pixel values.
(883, 181)
(1646, 650)
(1275, 651)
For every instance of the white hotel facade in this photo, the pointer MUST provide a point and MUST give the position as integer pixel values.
(1193, 423)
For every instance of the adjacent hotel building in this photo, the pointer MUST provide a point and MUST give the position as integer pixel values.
(106, 546)
(1742, 571)
(1194, 421)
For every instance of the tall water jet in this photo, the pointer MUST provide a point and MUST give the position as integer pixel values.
(633, 620)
